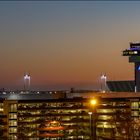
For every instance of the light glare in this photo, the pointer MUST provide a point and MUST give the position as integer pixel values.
(93, 101)
(27, 77)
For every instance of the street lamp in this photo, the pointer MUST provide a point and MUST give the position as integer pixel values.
(93, 104)
(90, 122)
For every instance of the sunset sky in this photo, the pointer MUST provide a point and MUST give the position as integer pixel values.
(66, 44)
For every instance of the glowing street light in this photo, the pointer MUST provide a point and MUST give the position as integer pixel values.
(93, 102)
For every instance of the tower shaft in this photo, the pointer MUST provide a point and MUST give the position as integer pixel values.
(134, 57)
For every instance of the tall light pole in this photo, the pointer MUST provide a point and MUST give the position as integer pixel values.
(93, 104)
(103, 81)
(27, 81)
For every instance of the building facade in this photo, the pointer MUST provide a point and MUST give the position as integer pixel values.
(43, 117)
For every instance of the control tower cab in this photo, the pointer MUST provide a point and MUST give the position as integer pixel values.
(134, 57)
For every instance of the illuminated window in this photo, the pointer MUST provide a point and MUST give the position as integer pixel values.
(1, 108)
(12, 137)
(12, 116)
(13, 107)
(13, 130)
(135, 105)
(12, 123)
(105, 117)
(135, 113)
(105, 110)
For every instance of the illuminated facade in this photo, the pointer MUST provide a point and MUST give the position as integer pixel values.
(3, 122)
(30, 118)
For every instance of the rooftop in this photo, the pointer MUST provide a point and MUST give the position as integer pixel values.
(59, 95)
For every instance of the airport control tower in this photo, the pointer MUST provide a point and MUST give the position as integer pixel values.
(134, 57)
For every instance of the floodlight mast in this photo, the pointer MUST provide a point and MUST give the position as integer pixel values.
(134, 57)
(103, 79)
(27, 81)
